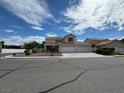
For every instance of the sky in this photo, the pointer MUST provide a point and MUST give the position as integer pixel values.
(33, 20)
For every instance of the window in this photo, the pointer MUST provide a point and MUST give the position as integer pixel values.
(70, 40)
(58, 41)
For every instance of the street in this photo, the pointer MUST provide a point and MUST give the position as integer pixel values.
(56, 75)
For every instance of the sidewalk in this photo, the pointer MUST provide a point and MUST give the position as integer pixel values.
(64, 55)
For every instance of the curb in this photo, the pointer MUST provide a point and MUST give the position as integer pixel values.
(55, 57)
(119, 56)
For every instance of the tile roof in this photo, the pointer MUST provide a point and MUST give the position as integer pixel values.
(81, 43)
(94, 41)
(104, 43)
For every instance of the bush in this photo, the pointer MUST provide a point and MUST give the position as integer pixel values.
(27, 52)
(51, 54)
(105, 50)
(14, 54)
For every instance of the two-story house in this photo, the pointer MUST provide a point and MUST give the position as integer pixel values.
(67, 44)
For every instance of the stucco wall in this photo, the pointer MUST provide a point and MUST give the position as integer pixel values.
(13, 50)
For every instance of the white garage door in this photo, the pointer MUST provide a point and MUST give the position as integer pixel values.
(75, 49)
(119, 49)
(83, 49)
(67, 49)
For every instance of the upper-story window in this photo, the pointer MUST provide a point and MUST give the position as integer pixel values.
(70, 40)
(58, 41)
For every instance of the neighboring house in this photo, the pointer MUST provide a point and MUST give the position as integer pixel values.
(67, 44)
(94, 41)
(118, 45)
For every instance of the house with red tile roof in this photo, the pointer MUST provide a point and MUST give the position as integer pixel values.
(94, 41)
(118, 45)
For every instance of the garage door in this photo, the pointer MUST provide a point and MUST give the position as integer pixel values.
(119, 49)
(75, 49)
(83, 49)
(67, 49)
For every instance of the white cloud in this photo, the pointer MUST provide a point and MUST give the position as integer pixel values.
(95, 13)
(18, 40)
(14, 26)
(37, 28)
(80, 40)
(31, 11)
(72, 2)
(51, 34)
(9, 31)
(121, 28)
(121, 38)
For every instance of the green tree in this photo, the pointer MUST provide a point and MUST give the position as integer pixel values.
(2, 43)
(42, 45)
(31, 45)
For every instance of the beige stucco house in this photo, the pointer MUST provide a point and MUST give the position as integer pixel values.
(67, 44)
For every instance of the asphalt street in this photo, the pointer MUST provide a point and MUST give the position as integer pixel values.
(81, 75)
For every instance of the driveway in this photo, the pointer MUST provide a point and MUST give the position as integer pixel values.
(81, 55)
(81, 75)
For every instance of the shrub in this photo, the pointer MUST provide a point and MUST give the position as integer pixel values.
(14, 54)
(27, 52)
(105, 50)
(51, 54)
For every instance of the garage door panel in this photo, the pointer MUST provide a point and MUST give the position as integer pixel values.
(67, 49)
(83, 49)
(75, 49)
(119, 49)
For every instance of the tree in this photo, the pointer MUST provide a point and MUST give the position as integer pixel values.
(31, 45)
(42, 45)
(2, 43)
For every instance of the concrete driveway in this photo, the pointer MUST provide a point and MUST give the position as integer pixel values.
(81, 55)
(81, 75)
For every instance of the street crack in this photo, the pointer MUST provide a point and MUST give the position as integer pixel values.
(15, 69)
(65, 83)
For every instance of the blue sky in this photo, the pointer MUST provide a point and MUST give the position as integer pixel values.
(28, 20)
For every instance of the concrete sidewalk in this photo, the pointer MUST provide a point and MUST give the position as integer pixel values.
(64, 55)
(82, 55)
